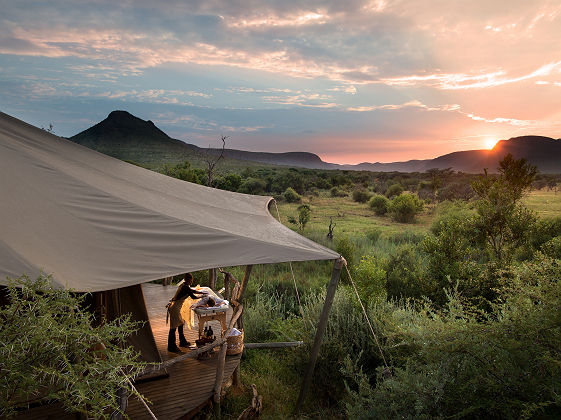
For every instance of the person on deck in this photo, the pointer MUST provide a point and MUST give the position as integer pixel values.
(176, 321)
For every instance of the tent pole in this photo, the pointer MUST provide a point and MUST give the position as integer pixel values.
(243, 287)
(212, 278)
(337, 267)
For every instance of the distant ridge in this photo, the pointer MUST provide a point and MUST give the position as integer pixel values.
(127, 137)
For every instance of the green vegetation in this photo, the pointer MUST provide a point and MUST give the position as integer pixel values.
(464, 300)
(51, 351)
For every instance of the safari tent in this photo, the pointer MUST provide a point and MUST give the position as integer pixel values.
(98, 224)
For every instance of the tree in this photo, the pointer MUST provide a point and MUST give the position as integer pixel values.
(331, 229)
(304, 213)
(212, 160)
(503, 223)
(50, 350)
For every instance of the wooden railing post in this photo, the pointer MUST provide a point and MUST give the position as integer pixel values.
(337, 267)
(243, 288)
(222, 360)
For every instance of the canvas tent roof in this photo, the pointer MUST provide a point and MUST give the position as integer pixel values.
(96, 223)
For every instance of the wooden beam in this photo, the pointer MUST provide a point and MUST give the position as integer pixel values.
(337, 267)
(273, 345)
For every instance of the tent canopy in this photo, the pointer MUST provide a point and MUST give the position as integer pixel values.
(96, 223)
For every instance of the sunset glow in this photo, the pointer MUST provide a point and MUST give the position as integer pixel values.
(490, 142)
(352, 82)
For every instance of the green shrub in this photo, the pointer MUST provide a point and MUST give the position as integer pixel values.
(379, 204)
(405, 277)
(291, 196)
(230, 182)
(552, 248)
(337, 192)
(394, 190)
(405, 207)
(361, 196)
(253, 186)
(451, 212)
(47, 351)
(347, 249)
(370, 278)
(544, 230)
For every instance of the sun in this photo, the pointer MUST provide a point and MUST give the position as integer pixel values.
(490, 142)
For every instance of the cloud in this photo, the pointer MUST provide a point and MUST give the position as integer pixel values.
(411, 104)
(465, 81)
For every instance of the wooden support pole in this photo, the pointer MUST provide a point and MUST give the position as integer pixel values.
(337, 267)
(243, 288)
(212, 278)
(237, 377)
(220, 373)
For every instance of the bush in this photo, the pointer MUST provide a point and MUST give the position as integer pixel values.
(394, 190)
(253, 186)
(451, 212)
(405, 207)
(230, 182)
(552, 248)
(464, 364)
(347, 250)
(336, 192)
(404, 274)
(291, 196)
(370, 278)
(51, 351)
(379, 204)
(361, 196)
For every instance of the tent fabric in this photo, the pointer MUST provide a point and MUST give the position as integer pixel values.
(130, 300)
(97, 223)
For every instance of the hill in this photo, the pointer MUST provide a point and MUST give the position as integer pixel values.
(127, 137)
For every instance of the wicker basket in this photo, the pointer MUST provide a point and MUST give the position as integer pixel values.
(235, 344)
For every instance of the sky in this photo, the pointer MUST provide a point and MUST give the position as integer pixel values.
(352, 81)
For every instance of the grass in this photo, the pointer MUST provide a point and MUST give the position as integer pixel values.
(351, 218)
(547, 203)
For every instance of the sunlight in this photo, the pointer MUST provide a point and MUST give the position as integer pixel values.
(490, 142)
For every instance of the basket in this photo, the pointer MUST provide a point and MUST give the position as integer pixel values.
(235, 344)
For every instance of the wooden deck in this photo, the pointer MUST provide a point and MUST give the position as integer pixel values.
(189, 385)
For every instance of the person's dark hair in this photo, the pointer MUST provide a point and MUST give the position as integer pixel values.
(187, 277)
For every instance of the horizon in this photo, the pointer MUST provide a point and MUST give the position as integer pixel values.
(365, 81)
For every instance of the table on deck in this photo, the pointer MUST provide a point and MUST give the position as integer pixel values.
(190, 384)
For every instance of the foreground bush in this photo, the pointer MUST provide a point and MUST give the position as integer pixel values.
(50, 351)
